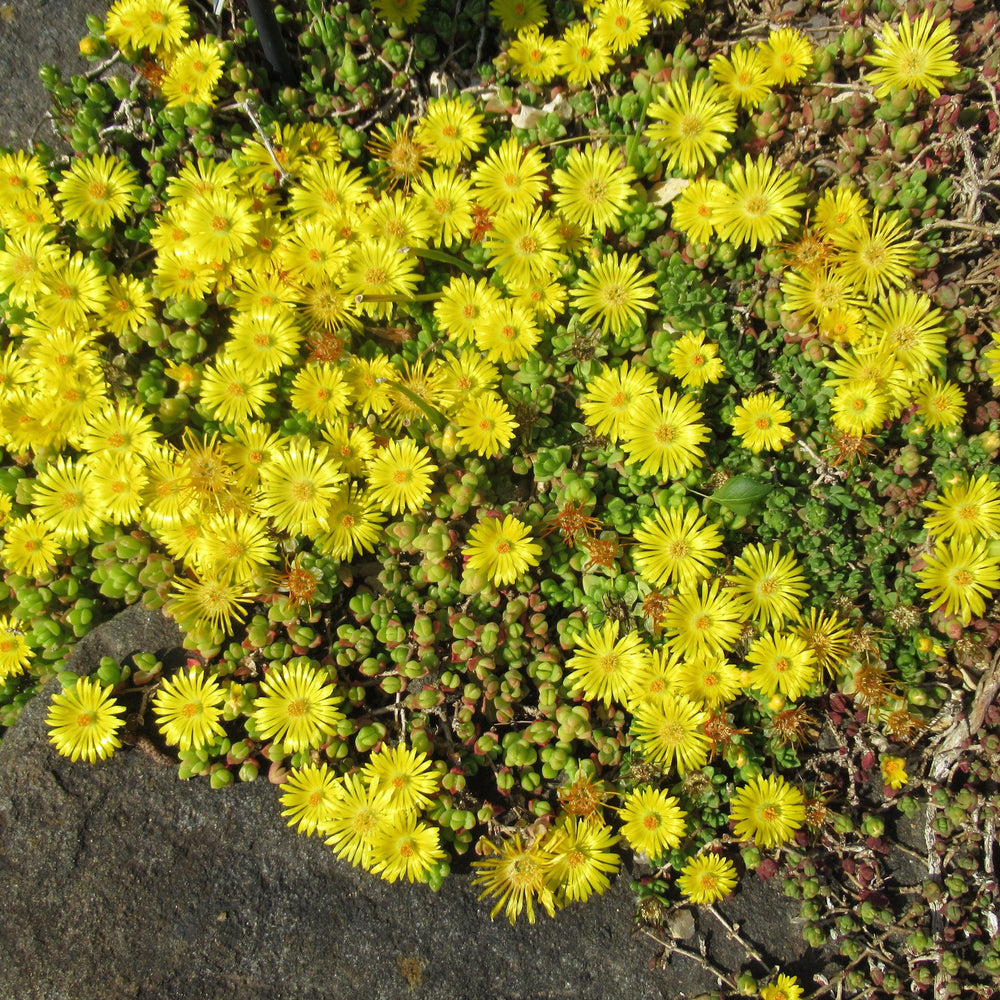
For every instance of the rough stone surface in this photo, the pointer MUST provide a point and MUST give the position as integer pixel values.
(34, 33)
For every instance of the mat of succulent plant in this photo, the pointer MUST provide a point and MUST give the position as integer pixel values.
(565, 436)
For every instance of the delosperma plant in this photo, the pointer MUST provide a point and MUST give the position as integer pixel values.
(567, 450)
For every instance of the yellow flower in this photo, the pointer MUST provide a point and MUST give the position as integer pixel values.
(451, 129)
(771, 583)
(695, 362)
(781, 662)
(187, 707)
(652, 821)
(783, 988)
(501, 549)
(15, 653)
(767, 809)
(941, 403)
(917, 58)
(297, 706)
(308, 793)
(665, 435)
(707, 878)
(407, 776)
(193, 73)
(405, 848)
(517, 877)
(894, 771)
(594, 188)
(615, 292)
(83, 721)
(669, 729)
(399, 476)
(959, 576)
(97, 189)
(604, 667)
(676, 545)
(693, 126)
(582, 56)
(578, 857)
(759, 203)
(608, 404)
(966, 510)
(787, 55)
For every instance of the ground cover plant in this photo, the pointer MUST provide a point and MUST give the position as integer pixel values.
(563, 451)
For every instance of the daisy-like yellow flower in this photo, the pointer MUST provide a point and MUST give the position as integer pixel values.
(463, 305)
(119, 485)
(670, 730)
(446, 198)
(63, 499)
(329, 192)
(307, 794)
(781, 662)
(405, 848)
(665, 435)
(84, 721)
(187, 707)
(321, 392)
(609, 400)
(399, 476)
(704, 622)
(371, 381)
(296, 488)
(893, 771)
(604, 666)
(376, 274)
(919, 57)
(787, 55)
(859, 407)
(695, 210)
(877, 255)
(211, 602)
(517, 877)
(355, 525)
(30, 547)
(22, 178)
(838, 211)
(655, 678)
(220, 226)
(913, 327)
(828, 636)
(232, 395)
(76, 288)
(615, 293)
(761, 421)
(652, 821)
(297, 706)
(129, 304)
(237, 547)
(783, 988)
(741, 77)
(707, 878)
(772, 584)
(263, 341)
(451, 129)
(524, 246)
(534, 56)
(958, 577)
(709, 680)
(15, 653)
(485, 425)
(594, 188)
(355, 818)
(694, 123)
(515, 15)
(397, 220)
(501, 549)
(759, 204)
(676, 545)
(508, 332)
(622, 24)
(400, 12)
(408, 777)
(193, 74)
(578, 857)
(966, 511)
(509, 178)
(940, 403)
(695, 362)
(767, 809)
(581, 55)
(96, 190)
(819, 290)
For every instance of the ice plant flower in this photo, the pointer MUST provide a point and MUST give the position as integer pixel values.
(671, 729)
(772, 583)
(187, 707)
(877, 255)
(761, 421)
(665, 435)
(451, 129)
(893, 771)
(594, 188)
(940, 403)
(95, 190)
(968, 510)
(615, 293)
(501, 549)
(767, 809)
(517, 877)
(307, 795)
(958, 577)
(297, 706)
(652, 821)
(787, 55)
(83, 721)
(695, 362)
(578, 857)
(15, 653)
(707, 878)
(704, 622)
(783, 988)
(405, 848)
(676, 545)
(919, 57)
(609, 402)
(759, 204)
(693, 125)
(406, 775)
(604, 666)
(781, 662)
(399, 476)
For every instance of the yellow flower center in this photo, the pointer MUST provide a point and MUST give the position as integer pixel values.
(401, 476)
(762, 423)
(86, 719)
(527, 245)
(503, 547)
(664, 433)
(963, 578)
(651, 821)
(302, 491)
(97, 191)
(191, 709)
(781, 665)
(375, 276)
(296, 709)
(755, 205)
